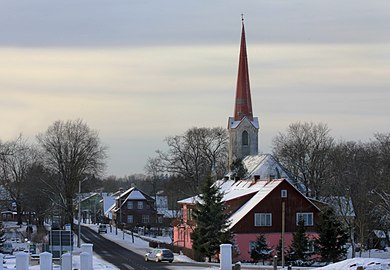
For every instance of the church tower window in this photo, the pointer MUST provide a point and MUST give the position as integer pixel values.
(245, 138)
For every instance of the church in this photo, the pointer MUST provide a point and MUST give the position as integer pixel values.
(266, 201)
(243, 129)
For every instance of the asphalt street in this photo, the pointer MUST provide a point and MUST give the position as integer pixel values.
(118, 255)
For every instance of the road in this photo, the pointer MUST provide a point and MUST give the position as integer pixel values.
(117, 255)
(126, 259)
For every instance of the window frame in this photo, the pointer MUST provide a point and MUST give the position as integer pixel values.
(130, 203)
(140, 205)
(245, 138)
(145, 219)
(307, 216)
(263, 220)
(131, 221)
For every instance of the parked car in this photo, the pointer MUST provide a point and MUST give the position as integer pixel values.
(159, 255)
(102, 228)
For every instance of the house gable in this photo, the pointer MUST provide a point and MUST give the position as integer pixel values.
(271, 203)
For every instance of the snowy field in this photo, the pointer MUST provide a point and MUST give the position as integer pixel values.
(373, 260)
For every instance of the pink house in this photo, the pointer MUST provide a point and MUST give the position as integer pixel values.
(256, 207)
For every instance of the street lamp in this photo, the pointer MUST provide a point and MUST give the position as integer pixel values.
(79, 214)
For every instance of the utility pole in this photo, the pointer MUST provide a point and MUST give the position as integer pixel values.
(79, 214)
(283, 229)
(79, 218)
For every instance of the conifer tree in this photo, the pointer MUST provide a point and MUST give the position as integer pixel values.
(332, 237)
(299, 243)
(238, 168)
(260, 251)
(211, 221)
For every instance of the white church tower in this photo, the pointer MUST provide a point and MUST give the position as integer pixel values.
(243, 127)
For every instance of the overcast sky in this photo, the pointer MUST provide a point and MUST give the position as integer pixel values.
(139, 71)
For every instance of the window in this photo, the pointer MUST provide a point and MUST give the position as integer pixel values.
(252, 245)
(140, 205)
(129, 205)
(159, 219)
(130, 219)
(145, 219)
(310, 246)
(306, 217)
(283, 193)
(245, 139)
(263, 219)
(189, 214)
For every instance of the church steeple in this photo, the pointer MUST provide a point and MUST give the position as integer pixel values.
(243, 127)
(243, 106)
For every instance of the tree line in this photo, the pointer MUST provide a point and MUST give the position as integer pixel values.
(352, 174)
(42, 178)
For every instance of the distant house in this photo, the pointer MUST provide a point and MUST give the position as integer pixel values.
(168, 215)
(107, 204)
(91, 211)
(256, 207)
(134, 208)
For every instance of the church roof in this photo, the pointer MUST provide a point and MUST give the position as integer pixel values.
(243, 106)
(265, 166)
(234, 124)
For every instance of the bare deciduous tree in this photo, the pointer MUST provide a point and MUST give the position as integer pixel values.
(199, 153)
(71, 150)
(304, 151)
(16, 160)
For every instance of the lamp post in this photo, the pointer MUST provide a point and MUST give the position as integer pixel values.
(79, 214)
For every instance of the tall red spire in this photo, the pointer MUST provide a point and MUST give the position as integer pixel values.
(243, 105)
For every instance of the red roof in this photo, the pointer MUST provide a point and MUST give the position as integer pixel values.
(243, 106)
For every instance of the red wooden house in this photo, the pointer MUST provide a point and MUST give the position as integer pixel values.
(256, 207)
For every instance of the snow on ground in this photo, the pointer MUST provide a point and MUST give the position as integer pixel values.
(370, 260)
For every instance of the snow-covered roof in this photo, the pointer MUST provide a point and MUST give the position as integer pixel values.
(265, 166)
(190, 200)
(232, 189)
(108, 205)
(235, 124)
(108, 213)
(136, 195)
(380, 234)
(264, 188)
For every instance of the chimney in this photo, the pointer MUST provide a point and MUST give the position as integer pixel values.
(236, 178)
(225, 178)
(257, 177)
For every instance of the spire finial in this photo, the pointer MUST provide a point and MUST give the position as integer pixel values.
(242, 17)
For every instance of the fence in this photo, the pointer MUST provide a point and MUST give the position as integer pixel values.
(46, 260)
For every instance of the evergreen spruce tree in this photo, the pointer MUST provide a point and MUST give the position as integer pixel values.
(332, 237)
(238, 169)
(211, 221)
(299, 245)
(260, 251)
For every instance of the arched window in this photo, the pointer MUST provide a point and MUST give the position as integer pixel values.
(245, 138)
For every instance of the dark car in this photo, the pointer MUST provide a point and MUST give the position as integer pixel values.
(159, 255)
(102, 228)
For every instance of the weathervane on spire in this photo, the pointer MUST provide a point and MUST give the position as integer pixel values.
(242, 17)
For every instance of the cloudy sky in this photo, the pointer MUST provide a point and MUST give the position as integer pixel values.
(139, 71)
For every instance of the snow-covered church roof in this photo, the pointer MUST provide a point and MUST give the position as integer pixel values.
(265, 166)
